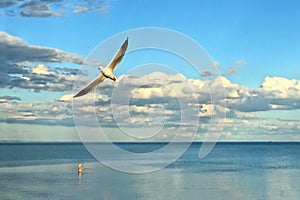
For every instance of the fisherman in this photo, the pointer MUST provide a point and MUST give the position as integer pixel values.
(80, 168)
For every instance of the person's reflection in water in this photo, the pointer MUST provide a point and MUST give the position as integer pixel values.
(79, 178)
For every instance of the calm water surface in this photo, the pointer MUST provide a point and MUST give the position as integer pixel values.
(230, 171)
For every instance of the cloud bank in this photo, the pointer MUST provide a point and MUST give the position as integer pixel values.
(154, 102)
(152, 99)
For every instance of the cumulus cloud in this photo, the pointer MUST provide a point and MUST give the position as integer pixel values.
(7, 3)
(39, 78)
(47, 113)
(275, 93)
(38, 10)
(240, 62)
(84, 9)
(44, 78)
(235, 68)
(7, 98)
(216, 65)
(232, 70)
(282, 93)
(207, 73)
(51, 8)
(280, 87)
(81, 9)
(258, 129)
(40, 69)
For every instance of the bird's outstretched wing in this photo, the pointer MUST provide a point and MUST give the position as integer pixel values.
(118, 56)
(94, 83)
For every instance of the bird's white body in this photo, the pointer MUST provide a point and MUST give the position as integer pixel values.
(108, 73)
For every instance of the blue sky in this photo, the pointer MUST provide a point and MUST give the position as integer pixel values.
(254, 31)
(262, 35)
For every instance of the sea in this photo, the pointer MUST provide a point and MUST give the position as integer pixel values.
(248, 170)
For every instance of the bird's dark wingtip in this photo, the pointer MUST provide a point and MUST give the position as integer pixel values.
(125, 45)
(76, 95)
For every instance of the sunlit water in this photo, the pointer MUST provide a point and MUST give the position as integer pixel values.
(230, 171)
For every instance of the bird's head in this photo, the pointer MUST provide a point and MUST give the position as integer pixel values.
(101, 68)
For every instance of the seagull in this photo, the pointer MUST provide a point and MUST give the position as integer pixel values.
(106, 72)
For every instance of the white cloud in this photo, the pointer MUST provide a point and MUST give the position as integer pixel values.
(207, 73)
(51, 8)
(146, 93)
(207, 110)
(5, 99)
(240, 62)
(279, 87)
(44, 78)
(80, 9)
(17, 51)
(232, 70)
(41, 69)
(216, 65)
(66, 97)
(39, 10)
(84, 9)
